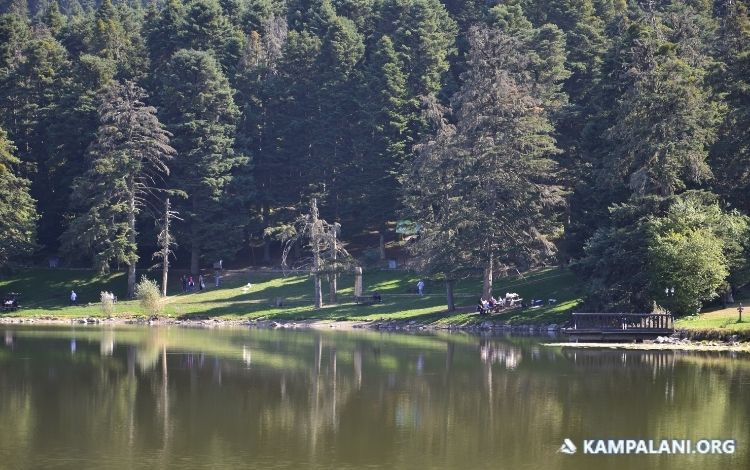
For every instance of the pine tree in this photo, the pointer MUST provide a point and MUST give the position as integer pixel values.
(484, 189)
(199, 110)
(17, 209)
(53, 18)
(330, 167)
(665, 124)
(207, 28)
(259, 128)
(730, 157)
(387, 115)
(164, 30)
(127, 165)
(424, 32)
(31, 92)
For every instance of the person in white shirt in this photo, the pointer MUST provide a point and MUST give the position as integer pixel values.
(73, 297)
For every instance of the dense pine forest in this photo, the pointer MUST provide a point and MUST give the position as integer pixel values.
(608, 135)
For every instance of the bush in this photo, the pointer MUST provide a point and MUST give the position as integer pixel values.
(108, 303)
(148, 293)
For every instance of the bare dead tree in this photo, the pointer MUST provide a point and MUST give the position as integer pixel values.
(320, 238)
(166, 243)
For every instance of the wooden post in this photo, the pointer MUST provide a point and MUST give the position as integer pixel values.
(358, 281)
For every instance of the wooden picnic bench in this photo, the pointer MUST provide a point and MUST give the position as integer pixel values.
(368, 299)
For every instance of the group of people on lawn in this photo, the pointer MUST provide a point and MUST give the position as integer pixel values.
(492, 304)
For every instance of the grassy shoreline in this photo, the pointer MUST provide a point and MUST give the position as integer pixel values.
(44, 294)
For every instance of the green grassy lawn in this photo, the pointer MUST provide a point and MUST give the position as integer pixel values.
(45, 293)
(725, 319)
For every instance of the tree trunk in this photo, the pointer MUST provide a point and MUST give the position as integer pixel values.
(266, 243)
(332, 278)
(315, 239)
(382, 245)
(165, 250)
(449, 295)
(487, 281)
(358, 281)
(195, 259)
(131, 239)
(318, 286)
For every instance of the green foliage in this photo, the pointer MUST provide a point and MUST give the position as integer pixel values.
(692, 262)
(127, 164)
(148, 293)
(731, 156)
(687, 242)
(199, 110)
(615, 108)
(17, 209)
(484, 189)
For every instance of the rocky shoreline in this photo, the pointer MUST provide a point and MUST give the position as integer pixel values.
(681, 336)
(205, 321)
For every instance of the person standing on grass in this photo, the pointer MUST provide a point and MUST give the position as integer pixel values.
(73, 298)
(217, 277)
(201, 282)
(420, 287)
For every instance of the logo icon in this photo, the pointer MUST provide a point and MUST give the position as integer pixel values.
(568, 447)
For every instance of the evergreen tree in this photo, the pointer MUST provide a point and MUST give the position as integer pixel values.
(665, 124)
(207, 28)
(730, 158)
(258, 131)
(424, 34)
(685, 241)
(387, 115)
(164, 30)
(53, 18)
(30, 97)
(486, 189)
(127, 163)
(17, 209)
(199, 110)
(329, 171)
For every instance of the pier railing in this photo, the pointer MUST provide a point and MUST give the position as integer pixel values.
(622, 321)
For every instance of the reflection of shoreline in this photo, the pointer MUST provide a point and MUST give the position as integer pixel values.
(682, 346)
(499, 353)
(653, 359)
(343, 400)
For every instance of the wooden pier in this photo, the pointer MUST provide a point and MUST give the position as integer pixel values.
(619, 326)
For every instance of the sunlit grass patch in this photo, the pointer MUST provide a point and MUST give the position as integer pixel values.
(254, 295)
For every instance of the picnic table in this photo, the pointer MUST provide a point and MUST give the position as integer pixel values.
(368, 299)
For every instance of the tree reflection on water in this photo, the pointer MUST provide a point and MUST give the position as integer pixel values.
(227, 398)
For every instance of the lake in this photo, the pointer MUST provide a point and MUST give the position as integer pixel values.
(140, 397)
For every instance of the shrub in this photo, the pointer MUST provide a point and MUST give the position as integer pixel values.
(148, 293)
(108, 303)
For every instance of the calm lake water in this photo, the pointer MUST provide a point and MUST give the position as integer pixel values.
(90, 397)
